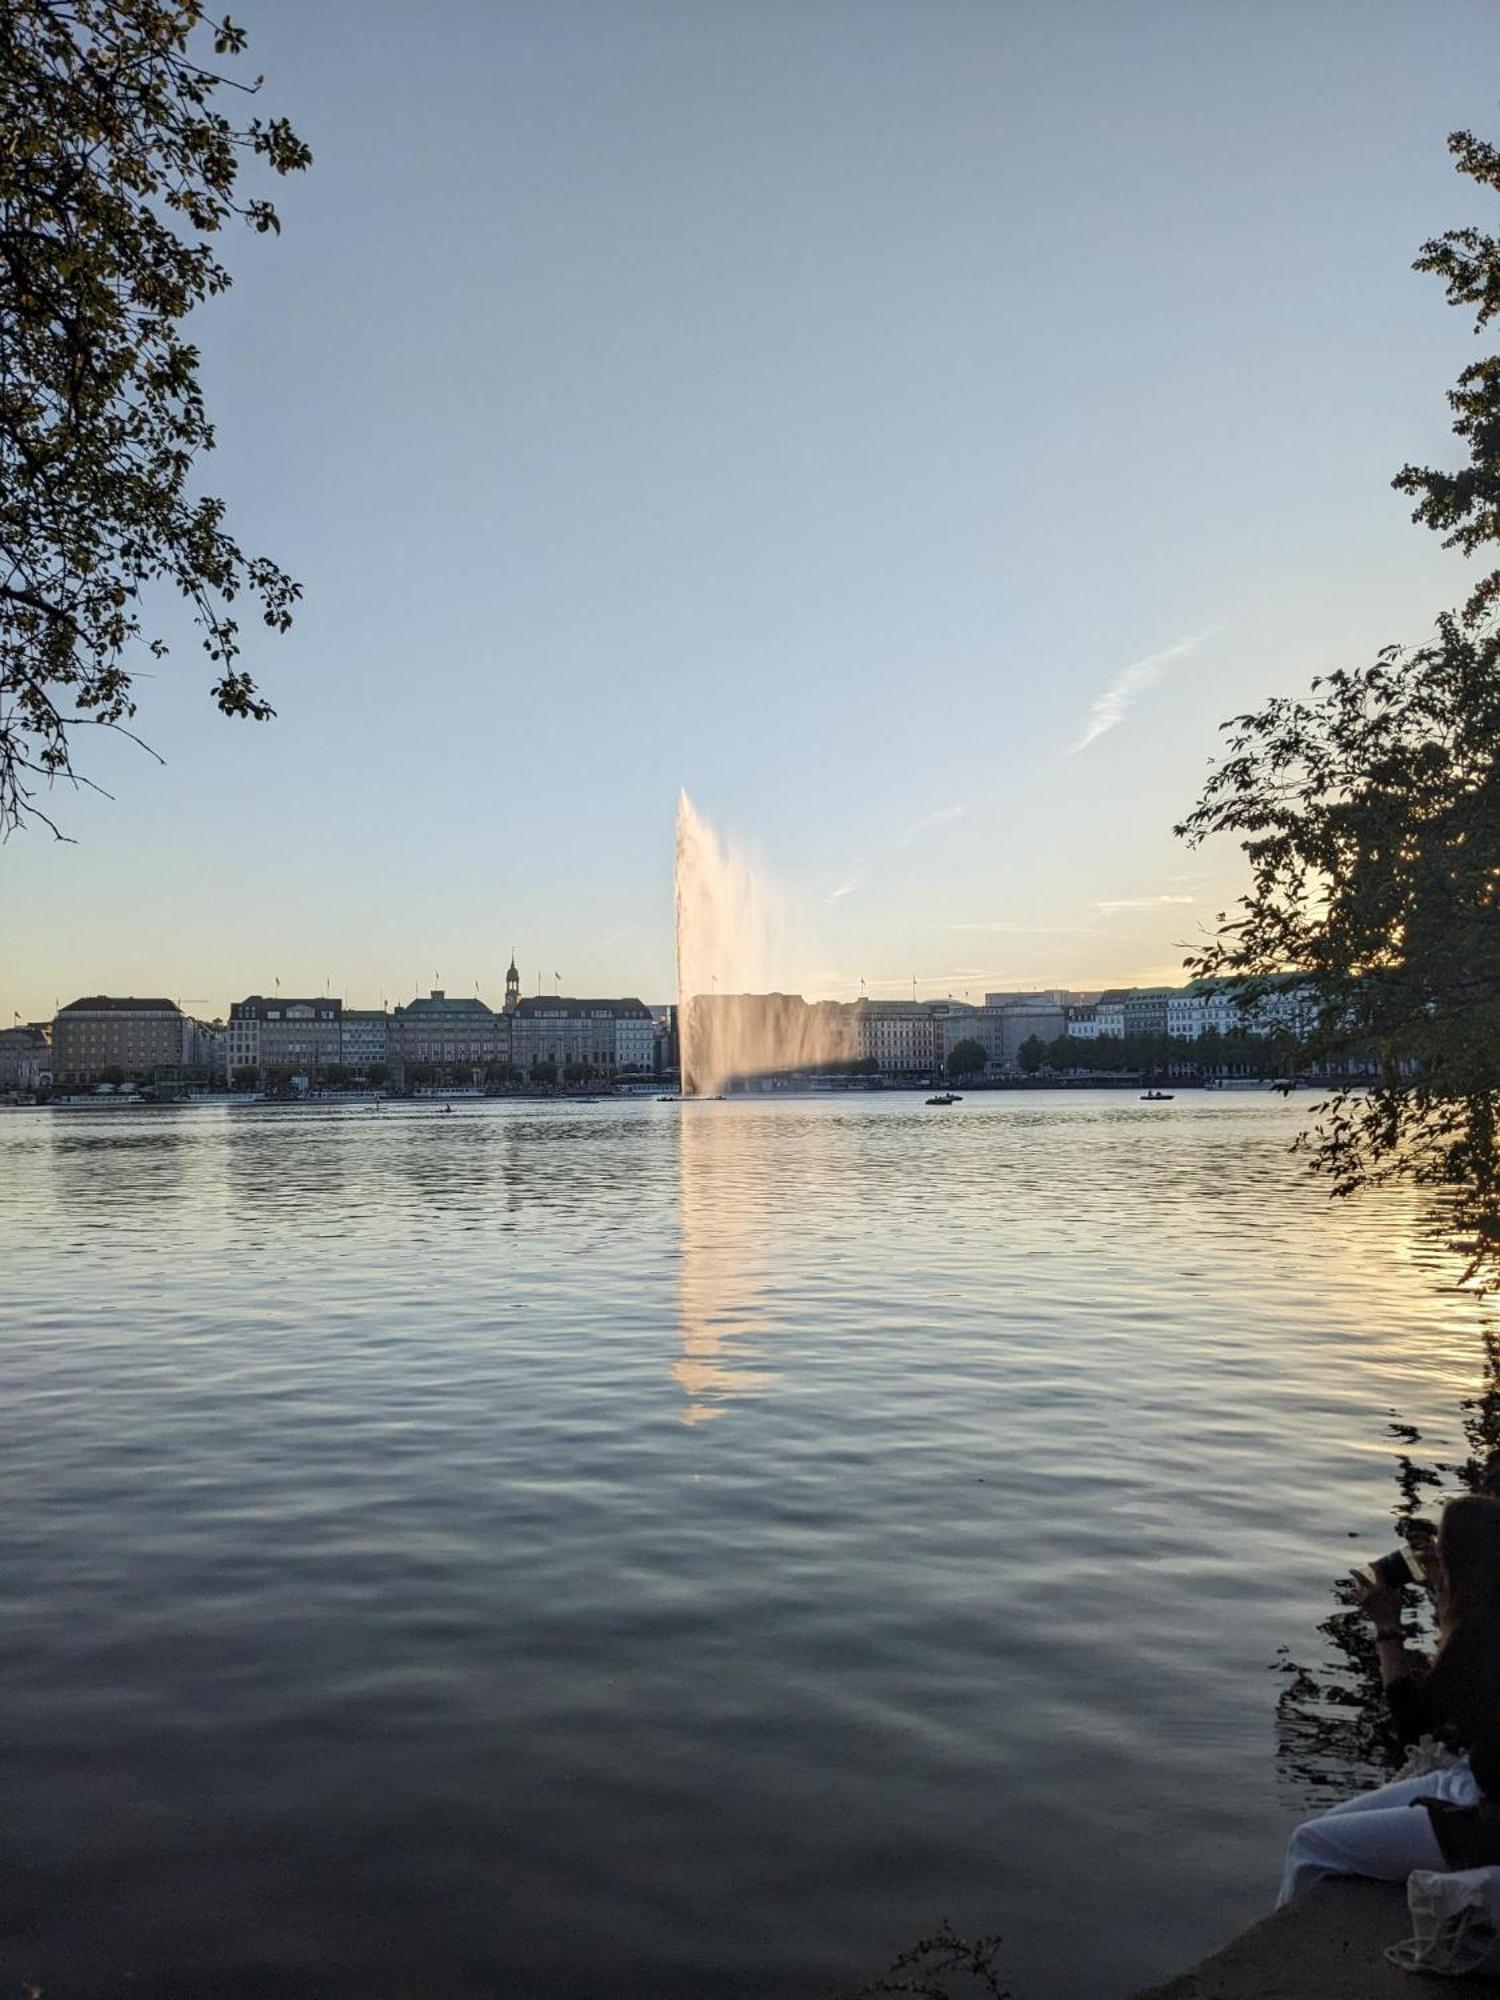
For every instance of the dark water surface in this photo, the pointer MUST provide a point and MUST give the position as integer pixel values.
(631, 1550)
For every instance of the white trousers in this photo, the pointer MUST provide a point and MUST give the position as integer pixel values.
(1380, 1833)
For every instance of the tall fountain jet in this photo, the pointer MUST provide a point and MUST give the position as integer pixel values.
(736, 933)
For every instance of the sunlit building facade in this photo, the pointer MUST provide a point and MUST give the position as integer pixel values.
(102, 1038)
(298, 1036)
(25, 1059)
(460, 1035)
(609, 1037)
(364, 1039)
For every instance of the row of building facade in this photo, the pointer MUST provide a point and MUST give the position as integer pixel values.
(105, 1039)
(306, 1037)
(919, 1037)
(109, 1039)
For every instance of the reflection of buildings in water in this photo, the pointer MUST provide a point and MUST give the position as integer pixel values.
(726, 1237)
(292, 1165)
(111, 1165)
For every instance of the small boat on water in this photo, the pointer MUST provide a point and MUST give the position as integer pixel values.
(1157, 1096)
(945, 1097)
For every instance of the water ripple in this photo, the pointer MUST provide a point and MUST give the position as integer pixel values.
(641, 1550)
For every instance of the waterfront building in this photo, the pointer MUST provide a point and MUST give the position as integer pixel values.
(1034, 1017)
(1003, 1026)
(205, 1048)
(25, 1059)
(1289, 1007)
(103, 1039)
(448, 1034)
(301, 1036)
(898, 1035)
(1109, 1013)
(1286, 1007)
(241, 1044)
(666, 1043)
(984, 1025)
(1187, 1013)
(364, 1039)
(916, 1037)
(1145, 1010)
(611, 1037)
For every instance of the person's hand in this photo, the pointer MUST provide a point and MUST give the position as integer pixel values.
(1380, 1604)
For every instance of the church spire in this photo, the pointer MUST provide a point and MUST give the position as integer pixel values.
(512, 985)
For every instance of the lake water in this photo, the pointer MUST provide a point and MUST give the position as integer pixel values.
(637, 1550)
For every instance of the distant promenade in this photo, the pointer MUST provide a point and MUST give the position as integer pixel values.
(756, 1089)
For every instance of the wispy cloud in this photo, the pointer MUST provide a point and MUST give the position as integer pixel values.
(928, 821)
(1118, 698)
(1027, 930)
(1118, 903)
(859, 865)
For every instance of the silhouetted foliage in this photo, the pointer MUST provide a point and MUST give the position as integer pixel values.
(1333, 1723)
(1370, 815)
(1031, 1054)
(943, 1966)
(1464, 506)
(117, 169)
(966, 1059)
(1211, 1054)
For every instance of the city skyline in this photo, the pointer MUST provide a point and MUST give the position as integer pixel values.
(980, 416)
(711, 1042)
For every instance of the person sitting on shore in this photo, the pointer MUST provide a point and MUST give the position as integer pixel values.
(1449, 1819)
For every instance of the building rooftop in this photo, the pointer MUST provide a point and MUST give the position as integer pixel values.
(557, 1005)
(438, 1003)
(104, 1003)
(256, 1005)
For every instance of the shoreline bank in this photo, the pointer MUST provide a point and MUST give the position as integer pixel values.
(1328, 1945)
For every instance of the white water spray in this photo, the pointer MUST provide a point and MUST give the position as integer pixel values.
(736, 936)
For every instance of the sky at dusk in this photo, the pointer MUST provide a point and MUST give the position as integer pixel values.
(912, 428)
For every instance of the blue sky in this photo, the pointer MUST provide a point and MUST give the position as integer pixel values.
(827, 407)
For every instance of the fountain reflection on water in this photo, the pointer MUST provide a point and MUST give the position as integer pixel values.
(737, 934)
(728, 1233)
